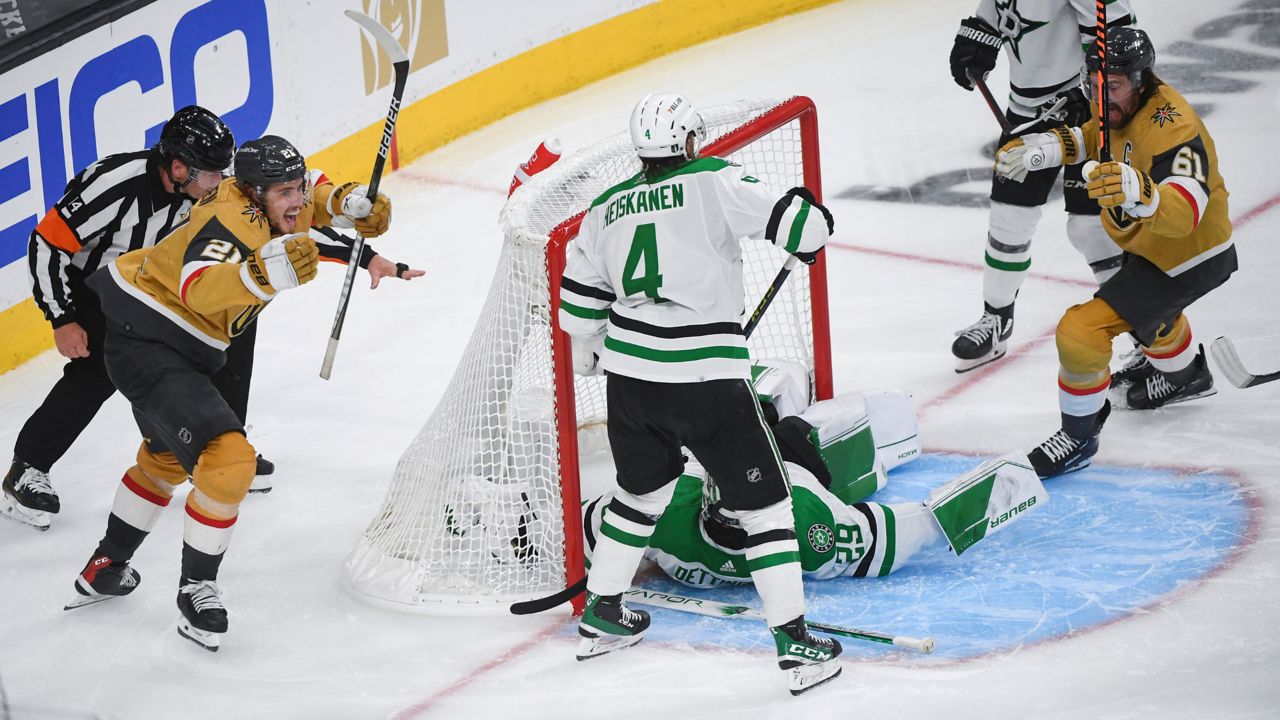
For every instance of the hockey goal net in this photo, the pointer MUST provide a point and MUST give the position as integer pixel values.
(484, 506)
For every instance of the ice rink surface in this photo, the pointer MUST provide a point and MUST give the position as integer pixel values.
(1146, 588)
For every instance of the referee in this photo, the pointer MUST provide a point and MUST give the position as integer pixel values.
(120, 203)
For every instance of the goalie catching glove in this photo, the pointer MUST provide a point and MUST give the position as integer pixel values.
(1039, 151)
(351, 208)
(1115, 183)
(284, 262)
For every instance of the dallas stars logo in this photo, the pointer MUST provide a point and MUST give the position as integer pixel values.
(1013, 25)
(1165, 113)
(821, 539)
(254, 213)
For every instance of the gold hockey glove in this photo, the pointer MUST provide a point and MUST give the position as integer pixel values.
(350, 204)
(1115, 183)
(284, 262)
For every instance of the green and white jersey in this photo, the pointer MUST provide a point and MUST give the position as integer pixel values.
(860, 540)
(657, 269)
(1046, 41)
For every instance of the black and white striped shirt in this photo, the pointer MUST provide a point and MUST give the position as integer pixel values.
(115, 205)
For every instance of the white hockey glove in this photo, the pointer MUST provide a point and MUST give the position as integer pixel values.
(586, 355)
(1115, 183)
(1039, 151)
(284, 262)
(351, 208)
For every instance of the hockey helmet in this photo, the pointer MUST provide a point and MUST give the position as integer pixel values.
(199, 139)
(661, 122)
(269, 160)
(1129, 52)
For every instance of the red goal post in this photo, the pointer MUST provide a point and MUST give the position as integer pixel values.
(799, 110)
(484, 507)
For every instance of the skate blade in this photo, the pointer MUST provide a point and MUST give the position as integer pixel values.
(804, 678)
(593, 647)
(1197, 396)
(205, 639)
(260, 486)
(83, 601)
(964, 366)
(12, 509)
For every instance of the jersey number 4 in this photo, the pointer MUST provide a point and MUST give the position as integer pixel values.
(644, 249)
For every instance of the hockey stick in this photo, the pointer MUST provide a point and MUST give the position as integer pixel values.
(537, 605)
(769, 294)
(711, 608)
(1104, 94)
(1224, 352)
(400, 64)
(1004, 121)
(981, 84)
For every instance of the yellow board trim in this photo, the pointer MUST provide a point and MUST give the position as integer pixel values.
(533, 77)
(551, 70)
(26, 334)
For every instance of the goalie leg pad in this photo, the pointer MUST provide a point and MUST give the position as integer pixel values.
(843, 436)
(985, 500)
(893, 426)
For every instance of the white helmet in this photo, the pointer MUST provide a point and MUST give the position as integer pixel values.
(661, 122)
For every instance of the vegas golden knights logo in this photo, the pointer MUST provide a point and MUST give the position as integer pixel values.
(418, 25)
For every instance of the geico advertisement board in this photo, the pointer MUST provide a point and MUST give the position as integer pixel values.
(300, 70)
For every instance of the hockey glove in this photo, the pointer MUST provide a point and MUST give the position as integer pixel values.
(1077, 110)
(794, 227)
(586, 355)
(974, 52)
(1038, 151)
(284, 262)
(355, 210)
(1115, 183)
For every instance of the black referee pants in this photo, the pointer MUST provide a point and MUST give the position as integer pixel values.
(84, 386)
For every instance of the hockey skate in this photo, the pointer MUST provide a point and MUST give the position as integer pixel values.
(204, 617)
(607, 625)
(103, 579)
(985, 340)
(809, 660)
(1064, 453)
(28, 497)
(261, 479)
(1160, 389)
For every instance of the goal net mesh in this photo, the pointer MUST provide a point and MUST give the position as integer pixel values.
(475, 516)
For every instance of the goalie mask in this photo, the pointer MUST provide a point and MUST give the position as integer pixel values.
(661, 123)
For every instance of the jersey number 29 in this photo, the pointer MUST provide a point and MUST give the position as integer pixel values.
(644, 248)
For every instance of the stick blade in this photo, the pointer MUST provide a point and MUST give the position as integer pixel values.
(326, 368)
(384, 37)
(1228, 361)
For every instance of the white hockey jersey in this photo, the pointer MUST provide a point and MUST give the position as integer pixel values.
(1045, 42)
(656, 270)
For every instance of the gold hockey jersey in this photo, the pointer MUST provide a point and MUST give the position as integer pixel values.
(187, 291)
(1167, 141)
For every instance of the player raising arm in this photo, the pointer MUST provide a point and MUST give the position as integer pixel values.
(171, 311)
(1045, 42)
(653, 286)
(1165, 205)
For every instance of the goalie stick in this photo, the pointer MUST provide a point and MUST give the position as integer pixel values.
(537, 605)
(1224, 352)
(400, 64)
(711, 608)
